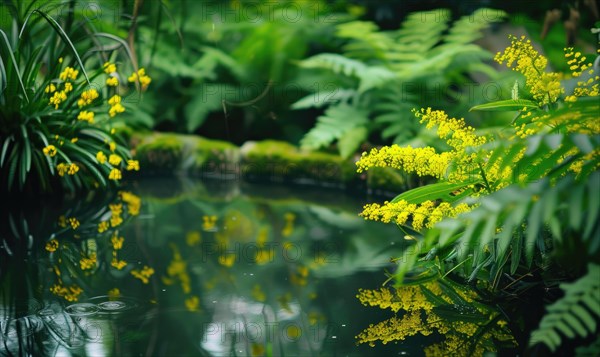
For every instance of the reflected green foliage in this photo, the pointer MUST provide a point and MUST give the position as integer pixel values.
(205, 267)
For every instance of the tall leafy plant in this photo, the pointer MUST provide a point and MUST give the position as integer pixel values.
(524, 199)
(381, 75)
(57, 126)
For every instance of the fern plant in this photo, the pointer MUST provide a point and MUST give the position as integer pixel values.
(574, 315)
(386, 73)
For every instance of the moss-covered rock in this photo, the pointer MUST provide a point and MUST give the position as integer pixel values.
(268, 160)
(169, 153)
(280, 161)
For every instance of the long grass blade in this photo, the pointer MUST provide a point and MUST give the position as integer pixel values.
(56, 26)
(14, 61)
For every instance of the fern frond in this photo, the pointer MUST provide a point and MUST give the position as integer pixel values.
(338, 64)
(337, 121)
(575, 314)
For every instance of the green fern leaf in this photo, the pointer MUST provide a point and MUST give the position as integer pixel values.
(573, 315)
(335, 123)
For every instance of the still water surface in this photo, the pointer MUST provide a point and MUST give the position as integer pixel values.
(176, 267)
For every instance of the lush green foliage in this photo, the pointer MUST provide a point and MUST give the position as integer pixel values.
(381, 75)
(53, 122)
(229, 85)
(523, 200)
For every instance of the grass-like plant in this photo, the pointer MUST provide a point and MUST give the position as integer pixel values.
(56, 118)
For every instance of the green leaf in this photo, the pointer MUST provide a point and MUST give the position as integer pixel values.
(506, 105)
(437, 191)
(351, 140)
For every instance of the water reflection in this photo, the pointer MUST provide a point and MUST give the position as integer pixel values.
(184, 268)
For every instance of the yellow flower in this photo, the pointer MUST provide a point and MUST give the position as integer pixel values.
(85, 115)
(62, 169)
(87, 97)
(209, 222)
(88, 262)
(544, 87)
(115, 174)
(114, 100)
(114, 159)
(192, 303)
(133, 165)
(117, 242)
(112, 146)
(68, 87)
(68, 73)
(192, 238)
(114, 293)
(118, 264)
(227, 260)
(133, 202)
(103, 226)
(258, 294)
(112, 81)
(141, 76)
(50, 88)
(57, 98)
(70, 293)
(100, 157)
(52, 245)
(74, 222)
(73, 168)
(143, 274)
(109, 68)
(50, 150)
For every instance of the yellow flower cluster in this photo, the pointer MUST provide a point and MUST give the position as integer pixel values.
(143, 274)
(57, 98)
(288, 227)
(109, 67)
(459, 135)
(422, 161)
(85, 115)
(114, 159)
(52, 245)
(209, 222)
(115, 216)
(115, 105)
(70, 169)
(192, 303)
(49, 150)
(87, 97)
(70, 293)
(68, 73)
(426, 214)
(420, 317)
(116, 262)
(142, 77)
(578, 65)
(88, 262)
(116, 241)
(133, 202)
(115, 174)
(545, 87)
(177, 270)
(100, 157)
(193, 238)
(133, 165)
(103, 226)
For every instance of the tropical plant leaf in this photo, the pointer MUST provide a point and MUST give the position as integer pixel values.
(507, 105)
(334, 124)
(575, 314)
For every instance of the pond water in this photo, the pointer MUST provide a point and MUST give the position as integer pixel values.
(181, 267)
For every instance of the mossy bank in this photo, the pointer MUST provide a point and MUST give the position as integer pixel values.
(268, 160)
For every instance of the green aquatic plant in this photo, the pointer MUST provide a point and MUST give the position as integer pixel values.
(523, 199)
